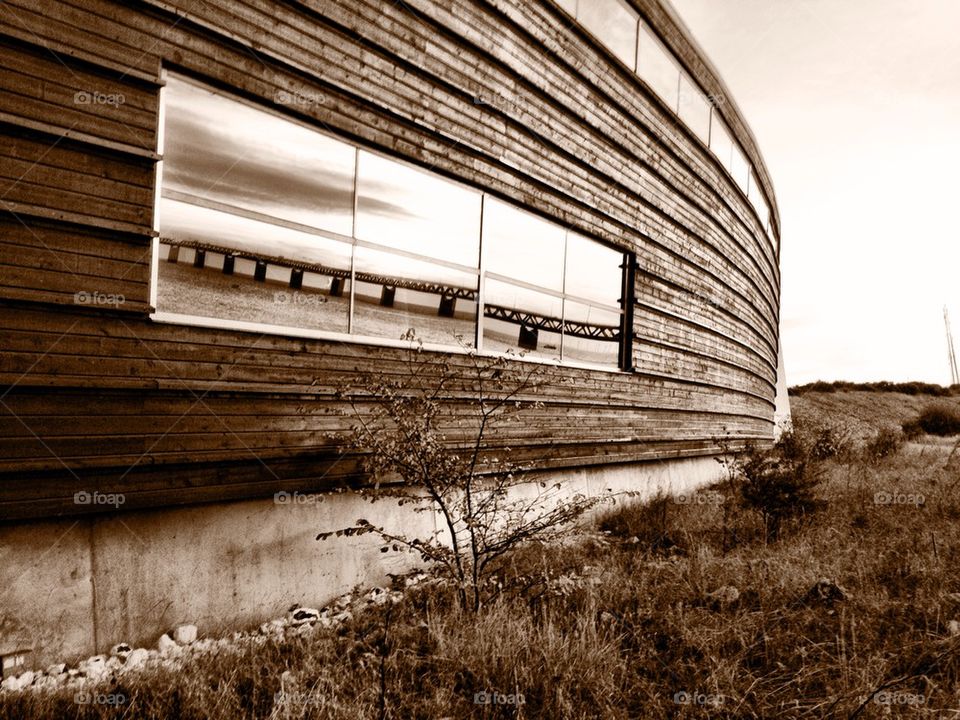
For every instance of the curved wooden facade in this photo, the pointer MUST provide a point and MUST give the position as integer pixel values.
(510, 97)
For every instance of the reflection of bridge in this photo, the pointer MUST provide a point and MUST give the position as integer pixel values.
(448, 293)
(552, 324)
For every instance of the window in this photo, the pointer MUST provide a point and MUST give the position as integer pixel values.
(720, 142)
(249, 197)
(614, 23)
(418, 253)
(266, 223)
(658, 68)
(740, 168)
(694, 109)
(549, 292)
(756, 198)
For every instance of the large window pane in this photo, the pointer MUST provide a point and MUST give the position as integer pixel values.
(396, 293)
(694, 109)
(720, 141)
(221, 149)
(739, 168)
(522, 246)
(594, 271)
(412, 210)
(222, 265)
(658, 68)
(756, 198)
(614, 23)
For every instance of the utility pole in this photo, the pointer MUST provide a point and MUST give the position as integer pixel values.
(952, 356)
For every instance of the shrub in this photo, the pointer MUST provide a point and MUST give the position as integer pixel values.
(911, 429)
(400, 428)
(791, 444)
(940, 419)
(885, 443)
(829, 442)
(779, 489)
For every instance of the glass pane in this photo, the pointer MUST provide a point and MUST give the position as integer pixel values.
(220, 265)
(414, 211)
(396, 293)
(720, 142)
(614, 24)
(757, 199)
(593, 271)
(739, 168)
(224, 150)
(591, 334)
(520, 319)
(694, 108)
(522, 246)
(658, 68)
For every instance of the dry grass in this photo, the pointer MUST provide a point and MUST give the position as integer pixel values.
(621, 625)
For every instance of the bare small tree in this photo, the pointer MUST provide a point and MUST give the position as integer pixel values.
(432, 437)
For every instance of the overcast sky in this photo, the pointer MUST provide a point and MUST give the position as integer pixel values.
(856, 108)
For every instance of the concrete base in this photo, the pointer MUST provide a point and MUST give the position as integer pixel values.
(72, 588)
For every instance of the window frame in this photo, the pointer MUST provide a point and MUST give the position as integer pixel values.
(161, 316)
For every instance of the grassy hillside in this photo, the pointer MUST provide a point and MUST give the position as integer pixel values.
(863, 412)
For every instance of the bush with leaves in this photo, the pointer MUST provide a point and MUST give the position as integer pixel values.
(940, 419)
(781, 489)
(447, 457)
(885, 443)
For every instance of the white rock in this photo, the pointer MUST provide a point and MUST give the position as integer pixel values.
(954, 627)
(114, 663)
(344, 600)
(166, 645)
(342, 617)
(377, 596)
(93, 667)
(46, 682)
(137, 658)
(185, 634)
(27, 678)
(120, 650)
(11, 684)
(57, 669)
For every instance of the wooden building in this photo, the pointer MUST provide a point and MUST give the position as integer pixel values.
(215, 215)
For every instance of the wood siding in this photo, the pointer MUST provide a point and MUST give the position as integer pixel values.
(501, 94)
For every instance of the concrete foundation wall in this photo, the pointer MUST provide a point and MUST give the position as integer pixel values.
(73, 587)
